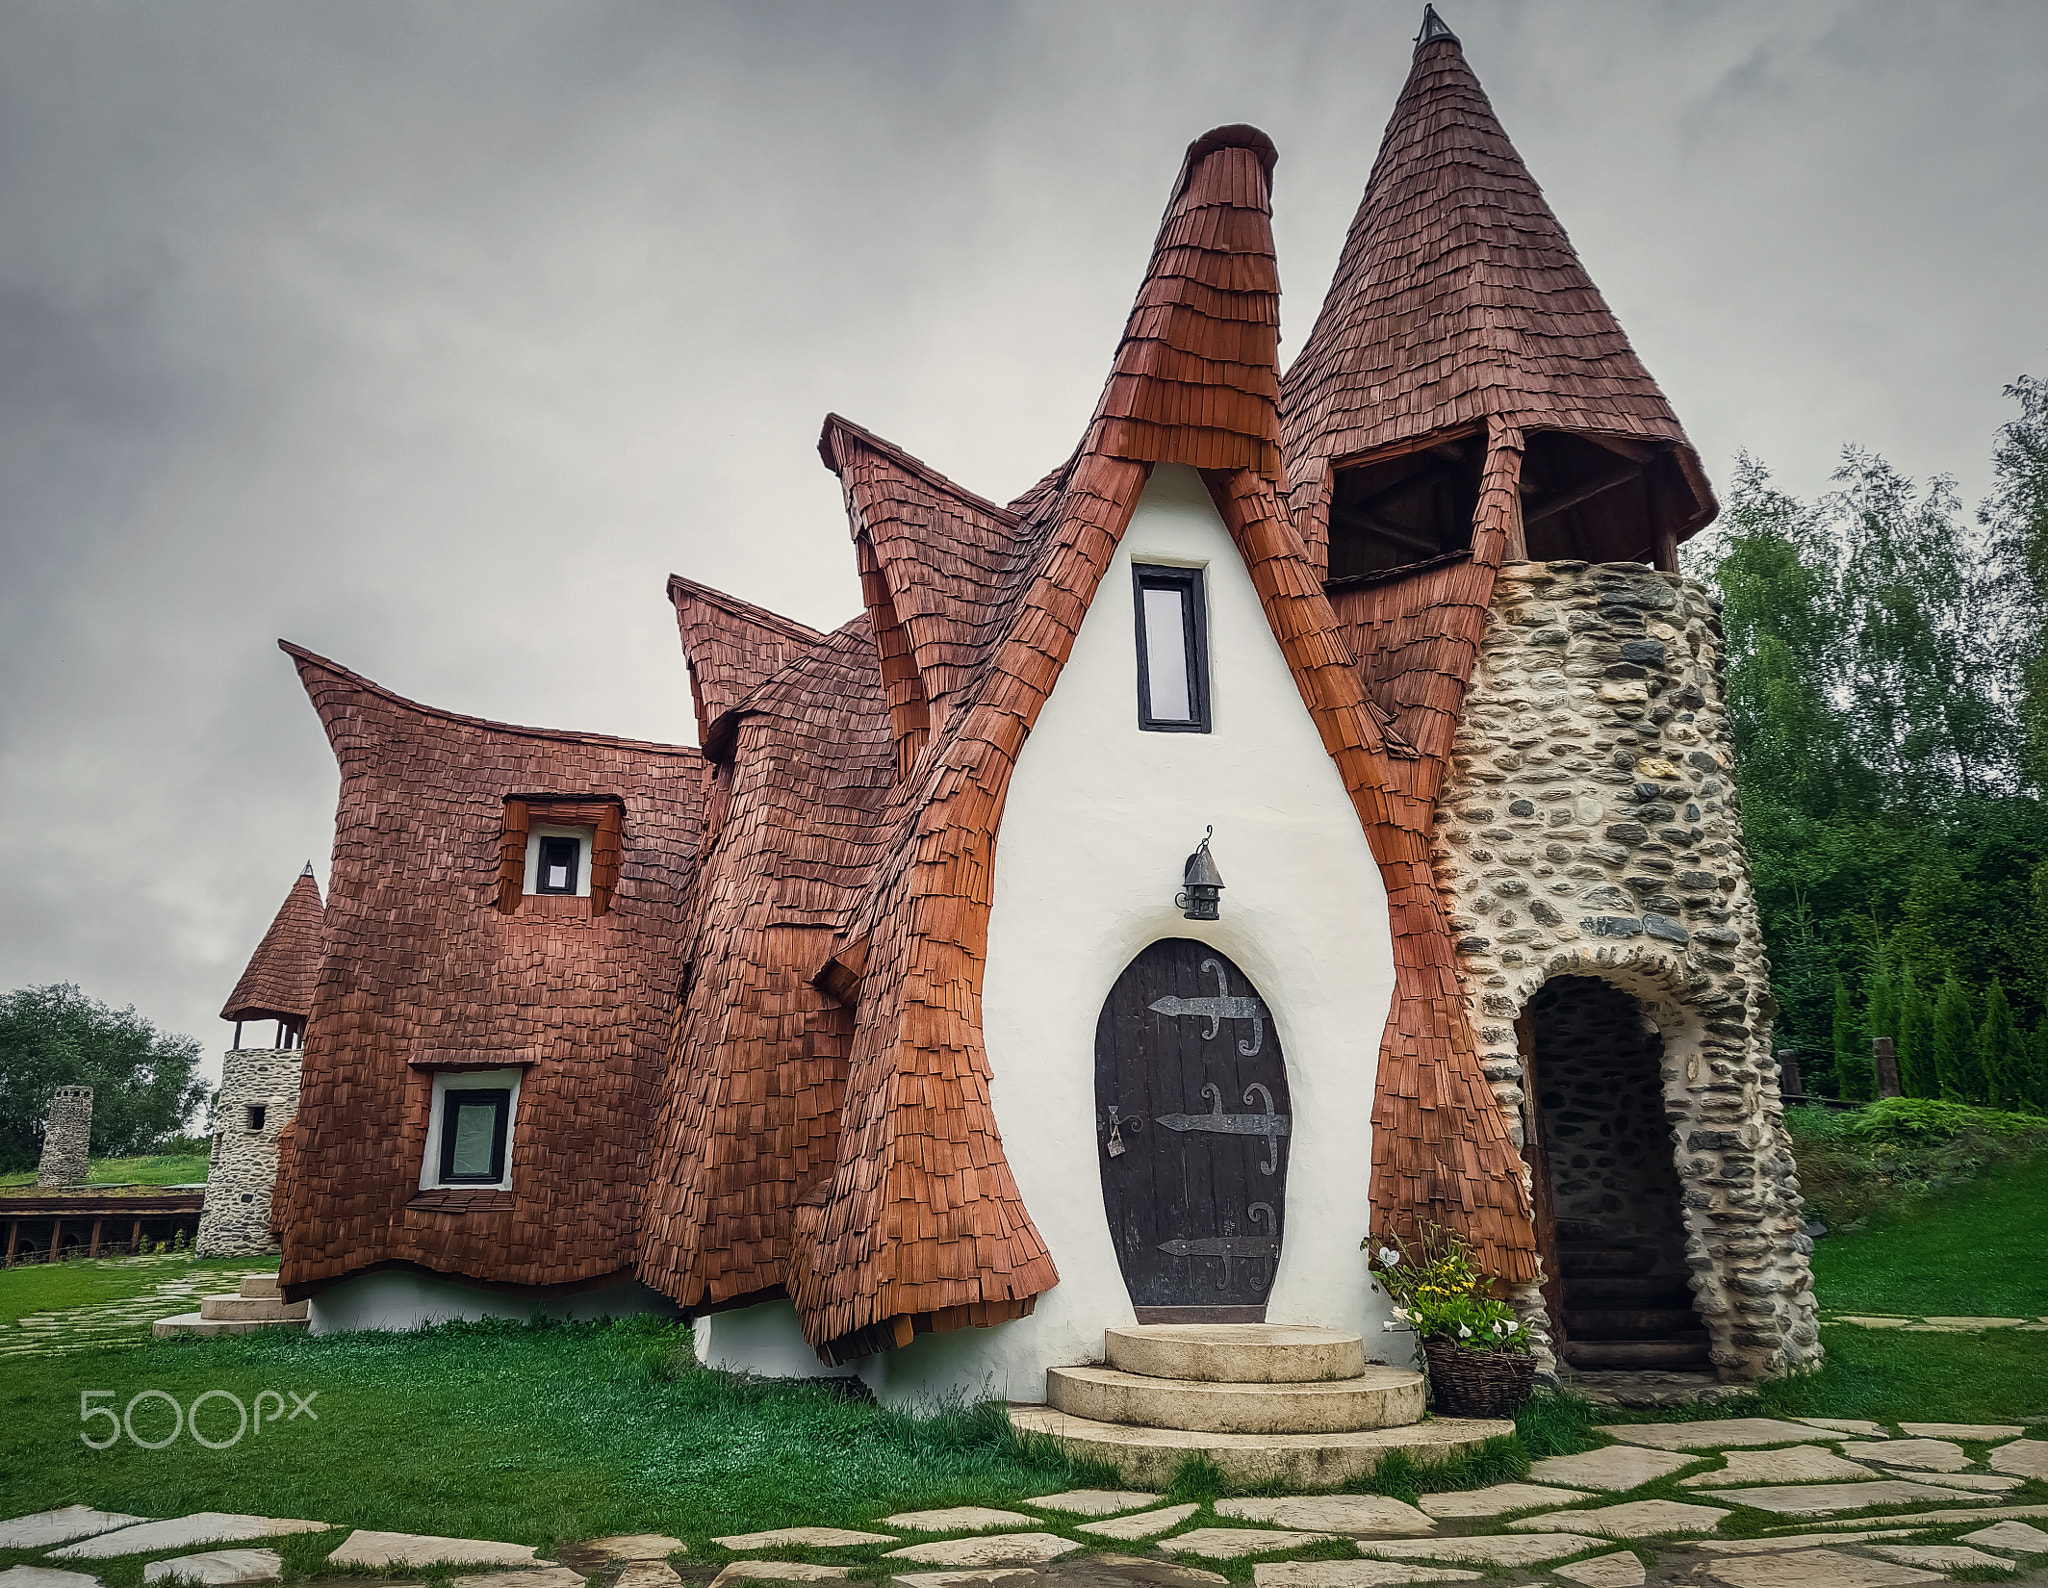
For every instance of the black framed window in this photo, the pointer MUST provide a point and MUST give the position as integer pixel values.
(256, 1112)
(556, 870)
(1173, 649)
(473, 1135)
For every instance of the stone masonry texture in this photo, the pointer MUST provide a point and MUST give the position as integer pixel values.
(66, 1137)
(234, 1221)
(1591, 829)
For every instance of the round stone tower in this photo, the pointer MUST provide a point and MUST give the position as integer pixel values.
(66, 1137)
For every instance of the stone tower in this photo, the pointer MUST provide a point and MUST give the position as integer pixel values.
(1497, 490)
(259, 1087)
(66, 1137)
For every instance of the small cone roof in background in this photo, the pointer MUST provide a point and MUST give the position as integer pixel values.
(1458, 296)
(278, 984)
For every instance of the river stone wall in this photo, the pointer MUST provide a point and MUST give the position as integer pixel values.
(1588, 827)
(67, 1137)
(234, 1220)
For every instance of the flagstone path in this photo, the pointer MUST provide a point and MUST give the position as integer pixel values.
(123, 1322)
(1937, 1515)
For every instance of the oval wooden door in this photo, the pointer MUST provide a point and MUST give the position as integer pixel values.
(1191, 1132)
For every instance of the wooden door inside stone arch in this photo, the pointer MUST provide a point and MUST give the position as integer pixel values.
(1192, 1123)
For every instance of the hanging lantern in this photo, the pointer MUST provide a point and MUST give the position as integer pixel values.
(1201, 882)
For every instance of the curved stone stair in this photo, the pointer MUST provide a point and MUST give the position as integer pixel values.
(1265, 1402)
(260, 1305)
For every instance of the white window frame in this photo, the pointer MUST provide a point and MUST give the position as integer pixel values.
(586, 840)
(446, 1081)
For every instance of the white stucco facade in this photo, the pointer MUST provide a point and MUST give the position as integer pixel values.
(396, 1298)
(1099, 819)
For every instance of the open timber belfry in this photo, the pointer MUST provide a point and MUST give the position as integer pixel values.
(1306, 810)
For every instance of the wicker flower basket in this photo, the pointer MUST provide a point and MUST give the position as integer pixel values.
(1477, 1383)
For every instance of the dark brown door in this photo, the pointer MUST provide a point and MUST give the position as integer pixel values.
(1191, 1130)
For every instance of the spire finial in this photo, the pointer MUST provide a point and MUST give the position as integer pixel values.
(1434, 27)
(308, 871)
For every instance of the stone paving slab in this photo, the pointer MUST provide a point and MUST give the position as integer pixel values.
(1765, 1546)
(1501, 1497)
(825, 1537)
(1331, 1513)
(989, 1549)
(1812, 1568)
(2027, 1457)
(202, 1527)
(2015, 1536)
(1620, 1570)
(1144, 1524)
(1972, 1325)
(1143, 1568)
(45, 1577)
(1924, 1455)
(1793, 1464)
(218, 1566)
(1979, 1432)
(1928, 1518)
(962, 1579)
(1095, 1502)
(365, 1547)
(1820, 1499)
(635, 1546)
(1617, 1467)
(779, 1571)
(1867, 1322)
(1352, 1574)
(1938, 1557)
(1991, 1482)
(648, 1574)
(544, 1577)
(1491, 1549)
(60, 1526)
(956, 1519)
(1631, 1519)
(1727, 1434)
(1231, 1543)
(1847, 1425)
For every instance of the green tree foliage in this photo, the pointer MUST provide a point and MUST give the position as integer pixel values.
(142, 1078)
(1854, 1075)
(1958, 1067)
(2017, 516)
(2003, 1051)
(1918, 1075)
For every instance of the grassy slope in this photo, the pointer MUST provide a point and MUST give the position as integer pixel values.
(1976, 1249)
(162, 1169)
(50, 1287)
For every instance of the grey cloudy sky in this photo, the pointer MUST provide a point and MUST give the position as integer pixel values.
(435, 335)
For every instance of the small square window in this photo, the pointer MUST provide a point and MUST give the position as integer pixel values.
(473, 1135)
(557, 870)
(255, 1113)
(558, 860)
(1173, 649)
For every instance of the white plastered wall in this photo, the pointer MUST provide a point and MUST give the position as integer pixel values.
(407, 1299)
(1099, 819)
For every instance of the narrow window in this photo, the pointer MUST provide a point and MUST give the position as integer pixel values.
(1173, 653)
(255, 1116)
(473, 1136)
(558, 857)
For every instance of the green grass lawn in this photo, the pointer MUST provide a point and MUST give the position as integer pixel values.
(51, 1287)
(182, 1168)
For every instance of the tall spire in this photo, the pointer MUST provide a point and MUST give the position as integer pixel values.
(1459, 303)
(1196, 378)
(278, 983)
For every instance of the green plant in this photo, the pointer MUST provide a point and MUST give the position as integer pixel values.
(1439, 1291)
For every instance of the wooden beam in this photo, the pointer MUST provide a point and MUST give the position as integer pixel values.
(1352, 519)
(56, 1239)
(1399, 489)
(135, 1239)
(13, 1239)
(1584, 491)
(1665, 558)
(93, 1250)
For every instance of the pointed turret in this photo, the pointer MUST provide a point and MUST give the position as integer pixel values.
(278, 984)
(1196, 378)
(1461, 321)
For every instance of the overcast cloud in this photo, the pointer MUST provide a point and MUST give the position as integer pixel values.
(434, 336)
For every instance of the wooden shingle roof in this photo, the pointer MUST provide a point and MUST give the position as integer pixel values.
(278, 983)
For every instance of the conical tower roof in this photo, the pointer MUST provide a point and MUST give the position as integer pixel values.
(278, 984)
(1458, 300)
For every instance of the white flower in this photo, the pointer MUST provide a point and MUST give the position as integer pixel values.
(1401, 1313)
(1497, 1329)
(1514, 1328)
(1387, 1328)
(1390, 1257)
(1464, 1333)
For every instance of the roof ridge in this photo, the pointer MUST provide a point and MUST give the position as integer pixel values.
(312, 659)
(839, 424)
(725, 601)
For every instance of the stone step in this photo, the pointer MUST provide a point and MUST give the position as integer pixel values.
(1147, 1458)
(1628, 1323)
(1638, 1353)
(195, 1323)
(1575, 1260)
(1626, 1290)
(1380, 1397)
(251, 1309)
(1236, 1353)
(261, 1287)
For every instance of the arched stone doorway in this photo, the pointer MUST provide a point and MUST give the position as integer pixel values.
(1609, 1204)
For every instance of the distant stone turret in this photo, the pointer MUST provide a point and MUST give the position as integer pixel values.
(66, 1137)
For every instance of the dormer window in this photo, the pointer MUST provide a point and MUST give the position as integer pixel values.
(558, 859)
(1173, 649)
(560, 848)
